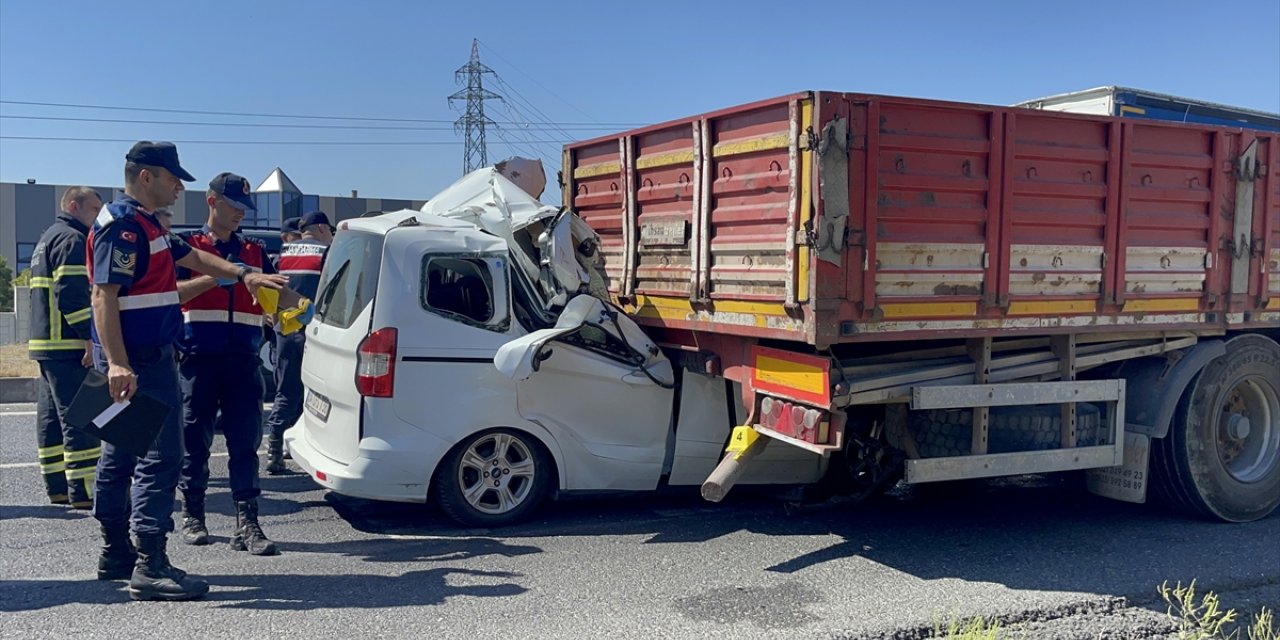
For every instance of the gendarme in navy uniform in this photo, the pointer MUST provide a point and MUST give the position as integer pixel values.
(136, 321)
(219, 369)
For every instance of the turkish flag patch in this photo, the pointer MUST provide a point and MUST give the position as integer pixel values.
(128, 236)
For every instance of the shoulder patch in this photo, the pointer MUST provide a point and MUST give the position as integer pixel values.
(123, 261)
(128, 236)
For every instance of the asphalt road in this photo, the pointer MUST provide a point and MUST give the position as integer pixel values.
(1041, 556)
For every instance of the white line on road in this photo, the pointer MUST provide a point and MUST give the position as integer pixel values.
(17, 413)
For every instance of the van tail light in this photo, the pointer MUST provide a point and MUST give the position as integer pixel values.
(376, 364)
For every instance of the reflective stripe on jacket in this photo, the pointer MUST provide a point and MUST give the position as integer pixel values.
(60, 292)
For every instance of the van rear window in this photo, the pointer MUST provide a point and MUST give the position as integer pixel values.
(350, 277)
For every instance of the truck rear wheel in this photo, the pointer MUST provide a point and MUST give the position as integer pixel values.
(1221, 458)
(493, 478)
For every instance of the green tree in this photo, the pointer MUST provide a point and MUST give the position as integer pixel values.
(6, 286)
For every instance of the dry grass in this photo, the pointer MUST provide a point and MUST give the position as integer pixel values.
(14, 362)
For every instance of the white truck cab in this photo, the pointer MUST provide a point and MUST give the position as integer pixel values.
(403, 398)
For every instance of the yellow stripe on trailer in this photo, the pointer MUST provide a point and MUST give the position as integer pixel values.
(665, 159)
(803, 255)
(1048, 307)
(798, 376)
(665, 308)
(789, 374)
(600, 169)
(929, 309)
(751, 145)
(1162, 304)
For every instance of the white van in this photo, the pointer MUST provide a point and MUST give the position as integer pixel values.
(403, 398)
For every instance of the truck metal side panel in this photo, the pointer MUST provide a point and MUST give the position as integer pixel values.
(1059, 220)
(1173, 191)
(825, 217)
(595, 190)
(933, 201)
(1268, 254)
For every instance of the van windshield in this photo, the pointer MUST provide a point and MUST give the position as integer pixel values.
(350, 277)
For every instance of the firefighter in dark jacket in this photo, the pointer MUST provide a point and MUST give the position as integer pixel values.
(222, 332)
(61, 343)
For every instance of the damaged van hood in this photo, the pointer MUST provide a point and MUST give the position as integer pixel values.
(559, 251)
(554, 247)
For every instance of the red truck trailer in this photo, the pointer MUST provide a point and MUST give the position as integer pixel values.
(932, 291)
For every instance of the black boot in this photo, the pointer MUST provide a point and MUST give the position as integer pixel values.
(193, 529)
(155, 579)
(249, 536)
(118, 554)
(275, 457)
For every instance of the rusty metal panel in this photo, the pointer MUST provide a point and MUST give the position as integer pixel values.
(935, 212)
(598, 197)
(665, 210)
(962, 221)
(1172, 182)
(1265, 246)
(1056, 216)
(750, 204)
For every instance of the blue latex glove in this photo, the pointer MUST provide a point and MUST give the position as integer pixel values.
(227, 282)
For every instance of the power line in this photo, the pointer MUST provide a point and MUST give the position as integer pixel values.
(257, 142)
(274, 115)
(267, 125)
(523, 147)
(535, 81)
(528, 140)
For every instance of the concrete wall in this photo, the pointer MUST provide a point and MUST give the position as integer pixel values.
(8, 224)
(15, 326)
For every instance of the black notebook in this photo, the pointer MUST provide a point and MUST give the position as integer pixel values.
(131, 425)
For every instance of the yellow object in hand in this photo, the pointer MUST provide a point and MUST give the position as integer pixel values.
(294, 318)
(269, 300)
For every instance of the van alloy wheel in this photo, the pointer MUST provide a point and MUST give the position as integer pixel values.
(494, 478)
(496, 473)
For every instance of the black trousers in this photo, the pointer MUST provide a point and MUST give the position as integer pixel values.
(288, 404)
(67, 457)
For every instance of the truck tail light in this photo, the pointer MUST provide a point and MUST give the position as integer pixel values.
(376, 364)
(794, 420)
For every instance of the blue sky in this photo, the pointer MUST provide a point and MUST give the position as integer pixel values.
(574, 62)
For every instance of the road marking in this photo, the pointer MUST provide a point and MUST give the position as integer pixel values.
(17, 413)
(27, 465)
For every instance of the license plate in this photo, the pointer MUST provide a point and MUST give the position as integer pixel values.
(318, 405)
(1127, 482)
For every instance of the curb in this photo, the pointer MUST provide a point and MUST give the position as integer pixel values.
(17, 390)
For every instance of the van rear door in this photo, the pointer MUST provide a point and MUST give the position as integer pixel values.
(344, 310)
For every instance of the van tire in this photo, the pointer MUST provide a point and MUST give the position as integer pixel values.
(1200, 468)
(521, 479)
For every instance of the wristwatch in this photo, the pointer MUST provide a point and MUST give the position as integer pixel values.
(242, 273)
